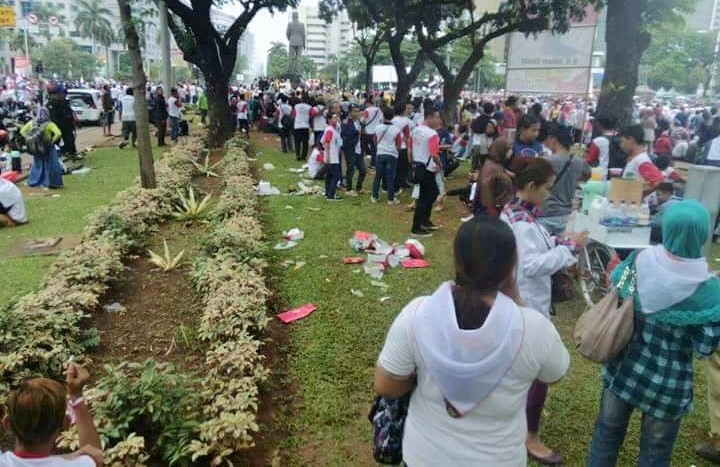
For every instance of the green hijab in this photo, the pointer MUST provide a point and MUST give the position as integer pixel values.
(686, 228)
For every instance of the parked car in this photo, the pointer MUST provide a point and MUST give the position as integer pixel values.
(87, 105)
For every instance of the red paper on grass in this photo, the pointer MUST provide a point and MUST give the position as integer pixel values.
(363, 236)
(415, 264)
(296, 314)
(353, 260)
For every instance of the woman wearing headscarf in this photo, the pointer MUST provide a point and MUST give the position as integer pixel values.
(677, 314)
(469, 353)
(46, 171)
(494, 187)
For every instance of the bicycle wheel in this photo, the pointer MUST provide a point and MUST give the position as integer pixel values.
(593, 271)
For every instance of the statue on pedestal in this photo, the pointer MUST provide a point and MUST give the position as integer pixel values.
(296, 37)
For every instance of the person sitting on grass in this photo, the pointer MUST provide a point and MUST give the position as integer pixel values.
(12, 206)
(316, 165)
(36, 415)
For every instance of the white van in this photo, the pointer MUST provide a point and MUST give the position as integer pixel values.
(87, 105)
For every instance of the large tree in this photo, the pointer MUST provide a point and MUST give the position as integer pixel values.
(139, 80)
(93, 21)
(628, 35)
(67, 60)
(465, 24)
(214, 52)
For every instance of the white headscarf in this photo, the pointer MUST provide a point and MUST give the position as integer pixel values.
(467, 365)
(664, 280)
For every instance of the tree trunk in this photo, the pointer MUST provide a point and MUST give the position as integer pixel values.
(108, 68)
(218, 110)
(405, 79)
(368, 74)
(147, 168)
(627, 40)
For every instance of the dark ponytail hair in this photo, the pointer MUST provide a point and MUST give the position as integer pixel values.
(485, 256)
(536, 170)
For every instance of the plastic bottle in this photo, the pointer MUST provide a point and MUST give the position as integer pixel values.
(644, 215)
(623, 214)
(596, 212)
(633, 214)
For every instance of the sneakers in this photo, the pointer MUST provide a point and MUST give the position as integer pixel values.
(467, 218)
(335, 199)
(431, 226)
(398, 192)
(123, 145)
(420, 234)
(394, 202)
(373, 200)
(352, 193)
(360, 191)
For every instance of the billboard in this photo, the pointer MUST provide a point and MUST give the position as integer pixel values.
(384, 74)
(552, 63)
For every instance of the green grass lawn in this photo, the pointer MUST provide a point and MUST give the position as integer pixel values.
(112, 171)
(332, 353)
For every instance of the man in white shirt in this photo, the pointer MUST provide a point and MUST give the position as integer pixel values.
(599, 151)
(425, 152)
(12, 205)
(174, 105)
(403, 122)
(332, 142)
(372, 118)
(301, 131)
(388, 139)
(284, 114)
(127, 117)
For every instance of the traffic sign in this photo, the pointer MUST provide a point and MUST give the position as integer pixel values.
(7, 17)
(32, 18)
(53, 21)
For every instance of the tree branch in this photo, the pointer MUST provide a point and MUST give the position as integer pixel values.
(232, 36)
(183, 11)
(189, 53)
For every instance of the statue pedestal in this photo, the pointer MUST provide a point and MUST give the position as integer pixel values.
(294, 78)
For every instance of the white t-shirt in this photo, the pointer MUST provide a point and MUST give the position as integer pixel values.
(9, 459)
(173, 109)
(284, 109)
(302, 116)
(372, 118)
(242, 112)
(492, 434)
(603, 145)
(11, 198)
(127, 105)
(332, 142)
(314, 164)
(425, 142)
(388, 136)
(319, 123)
(405, 125)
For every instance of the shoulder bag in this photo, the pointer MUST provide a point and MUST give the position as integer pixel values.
(605, 329)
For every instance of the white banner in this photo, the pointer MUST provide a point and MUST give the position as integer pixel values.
(549, 81)
(570, 50)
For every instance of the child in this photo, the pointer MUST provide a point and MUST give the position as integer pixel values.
(316, 164)
(665, 195)
(36, 415)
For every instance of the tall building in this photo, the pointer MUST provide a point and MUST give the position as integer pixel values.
(324, 41)
(706, 16)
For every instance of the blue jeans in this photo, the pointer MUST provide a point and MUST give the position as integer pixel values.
(331, 180)
(174, 128)
(385, 168)
(657, 437)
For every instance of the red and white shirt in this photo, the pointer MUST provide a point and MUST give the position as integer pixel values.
(388, 139)
(11, 459)
(332, 142)
(242, 110)
(372, 117)
(405, 125)
(599, 151)
(425, 143)
(640, 167)
(317, 113)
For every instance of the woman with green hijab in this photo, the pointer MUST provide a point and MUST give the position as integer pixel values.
(677, 315)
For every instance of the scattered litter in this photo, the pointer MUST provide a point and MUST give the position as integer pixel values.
(82, 171)
(304, 189)
(382, 285)
(382, 255)
(361, 241)
(265, 189)
(287, 263)
(55, 196)
(323, 256)
(288, 207)
(384, 299)
(357, 293)
(417, 250)
(357, 271)
(415, 264)
(114, 308)
(294, 234)
(297, 313)
(374, 270)
(314, 209)
(285, 245)
(268, 166)
(297, 171)
(298, 265)
(355, 260)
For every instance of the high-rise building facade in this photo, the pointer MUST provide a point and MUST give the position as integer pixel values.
(325, 41)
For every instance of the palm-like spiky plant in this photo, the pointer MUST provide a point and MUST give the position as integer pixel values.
(91, 19)
(166, 262)
(189, 207)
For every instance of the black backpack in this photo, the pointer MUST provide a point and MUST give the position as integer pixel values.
(287, 121)
(35, 140)
(617, 158)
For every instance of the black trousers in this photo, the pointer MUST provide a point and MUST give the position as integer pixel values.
(161, 126)
(403, 170)
(367, 142)
(428, 194)
(286, 143)
(302, 138)
(68, 137)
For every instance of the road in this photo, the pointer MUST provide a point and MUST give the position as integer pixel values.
(93, 136)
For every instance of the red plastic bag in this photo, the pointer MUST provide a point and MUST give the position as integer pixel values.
(353, 260)
(415, 264)
(296, 314)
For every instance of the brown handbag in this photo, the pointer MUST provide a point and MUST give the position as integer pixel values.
(605, 329)
(562, 287)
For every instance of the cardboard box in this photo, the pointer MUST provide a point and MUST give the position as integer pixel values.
(630, 191)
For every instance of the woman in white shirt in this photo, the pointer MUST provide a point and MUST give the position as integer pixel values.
(539, 257)
(469, 353)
